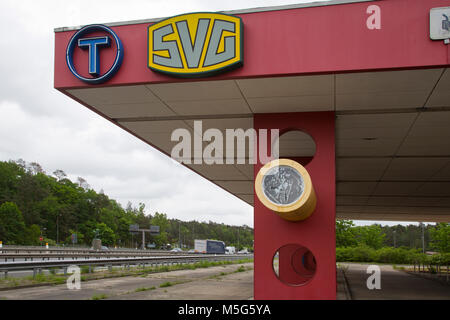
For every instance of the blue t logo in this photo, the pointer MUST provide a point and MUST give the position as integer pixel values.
(94, 54)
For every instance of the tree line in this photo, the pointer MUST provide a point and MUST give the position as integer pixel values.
(393, 244)
(425, 237)
(35, 205)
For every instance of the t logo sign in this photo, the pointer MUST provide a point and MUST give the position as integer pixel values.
(195, 45)
(81, 40)
(94, 55)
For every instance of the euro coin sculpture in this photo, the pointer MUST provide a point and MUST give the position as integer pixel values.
(285, 187)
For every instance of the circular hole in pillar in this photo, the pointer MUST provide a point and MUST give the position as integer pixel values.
(294, 264)
(296, 145)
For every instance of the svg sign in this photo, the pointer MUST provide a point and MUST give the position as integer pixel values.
(196, 44)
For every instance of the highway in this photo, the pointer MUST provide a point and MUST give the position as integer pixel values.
(18, 261)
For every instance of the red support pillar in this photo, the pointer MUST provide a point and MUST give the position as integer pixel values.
(306, 249)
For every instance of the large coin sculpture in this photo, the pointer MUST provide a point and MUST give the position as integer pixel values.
(284, 186)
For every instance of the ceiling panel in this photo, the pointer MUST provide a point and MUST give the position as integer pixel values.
(396, 188)
(223, 124)
(247, 198)
(200, 90)
(114, 95)
(405, 201)
(437, 189)
(158, 133)
(135, 110)
(247, 170)
(381, 90)
(371, 134)
(441, 94)
(291, 104)
(414, 168)
(351, 200)
(381, 100)
(443, 174)
(318, 85)
(428, 136)
(148, 127)
(237, 187)
(361, 168)
(219, 172)
(210, 107)
(387, 81)
(355, 188)
(361, 147)
(385, 120)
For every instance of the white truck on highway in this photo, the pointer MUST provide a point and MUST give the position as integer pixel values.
(230, 250)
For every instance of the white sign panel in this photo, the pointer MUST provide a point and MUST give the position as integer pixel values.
(440, 23)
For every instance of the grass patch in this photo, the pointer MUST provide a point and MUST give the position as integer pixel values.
(166, 284)
(84, 269)
(241, 269)
(52, 271)
(99, 296)
(144, 289)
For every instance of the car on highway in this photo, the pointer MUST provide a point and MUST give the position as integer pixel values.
(103, 248)
(176, 250)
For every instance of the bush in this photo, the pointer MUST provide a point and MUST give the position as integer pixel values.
(389, 255)
(394, 255)
(356, 254)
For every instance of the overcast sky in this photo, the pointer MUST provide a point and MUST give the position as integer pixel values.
(37, 123)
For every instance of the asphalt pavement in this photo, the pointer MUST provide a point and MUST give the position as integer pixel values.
(395, 285)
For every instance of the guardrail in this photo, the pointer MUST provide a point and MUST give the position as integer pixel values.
(73, 250)
(47, 255)
(38, 266)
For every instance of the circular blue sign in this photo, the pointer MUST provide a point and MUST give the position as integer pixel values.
(74, 42)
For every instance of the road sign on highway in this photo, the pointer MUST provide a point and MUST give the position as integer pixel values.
(134, 227)
(154, 230)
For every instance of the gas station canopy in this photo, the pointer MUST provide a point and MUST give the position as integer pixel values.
(389, 89)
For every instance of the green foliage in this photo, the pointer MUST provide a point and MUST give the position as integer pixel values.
(99, 296)
(356, 254)
(160, 219)
(389, 255)
(371, 236)
(33, 204)
(345, 233)
(399, 236)
(440, 236)
(240, 269)
(395, 255)
(166, 284)
(106, 234)
(144, 289)
(12, 226)
(32, 234)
